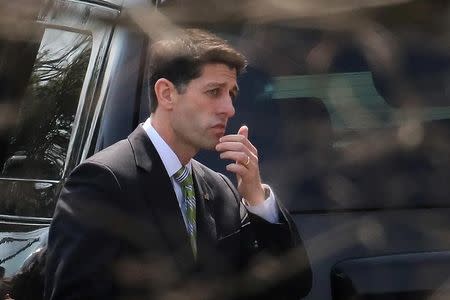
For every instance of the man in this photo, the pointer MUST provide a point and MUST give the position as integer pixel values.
(143, 219)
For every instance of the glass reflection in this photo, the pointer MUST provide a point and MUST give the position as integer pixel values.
(36, 144)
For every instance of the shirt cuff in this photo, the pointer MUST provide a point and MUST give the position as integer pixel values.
(268, 210)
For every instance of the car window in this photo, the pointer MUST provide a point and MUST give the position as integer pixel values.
(341, 124)
(42, 103)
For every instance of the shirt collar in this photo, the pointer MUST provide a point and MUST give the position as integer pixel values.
(170, 160)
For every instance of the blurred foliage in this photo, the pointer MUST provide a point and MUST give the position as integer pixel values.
(357, 168)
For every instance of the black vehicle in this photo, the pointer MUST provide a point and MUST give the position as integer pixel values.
(349, 107)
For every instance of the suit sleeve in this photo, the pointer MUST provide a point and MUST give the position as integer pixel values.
(274, 244)
(81, 246)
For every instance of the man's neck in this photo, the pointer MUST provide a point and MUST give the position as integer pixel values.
(184, 152)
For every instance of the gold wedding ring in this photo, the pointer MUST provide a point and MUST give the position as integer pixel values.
(248, 161)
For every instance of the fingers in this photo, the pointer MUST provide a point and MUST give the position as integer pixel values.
(237, 142)
(237, 169)
(237, 148)
(242, 158)
(243, 131)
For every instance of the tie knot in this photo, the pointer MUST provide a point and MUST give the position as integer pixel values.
(183, 176)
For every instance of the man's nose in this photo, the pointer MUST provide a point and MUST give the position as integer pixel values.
(227, 106)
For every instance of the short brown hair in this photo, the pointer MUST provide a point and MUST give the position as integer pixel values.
(182, 58)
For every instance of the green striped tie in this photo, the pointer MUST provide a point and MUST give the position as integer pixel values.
(184, 177)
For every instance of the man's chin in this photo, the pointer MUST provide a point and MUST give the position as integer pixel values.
(212, 144)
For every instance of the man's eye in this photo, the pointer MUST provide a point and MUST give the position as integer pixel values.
(213, 92)
(233, 96)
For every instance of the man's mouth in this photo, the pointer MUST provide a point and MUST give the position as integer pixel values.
(219, 126)
(219, 129)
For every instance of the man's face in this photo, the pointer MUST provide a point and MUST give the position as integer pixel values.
(200, 113)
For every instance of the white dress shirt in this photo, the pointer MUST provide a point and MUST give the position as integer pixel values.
(267, 210)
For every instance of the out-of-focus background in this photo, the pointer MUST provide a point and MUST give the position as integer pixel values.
(348, 103)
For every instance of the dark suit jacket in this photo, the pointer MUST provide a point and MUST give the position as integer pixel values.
(118, 232)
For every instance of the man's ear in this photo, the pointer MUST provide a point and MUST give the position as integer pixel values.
(164, 90)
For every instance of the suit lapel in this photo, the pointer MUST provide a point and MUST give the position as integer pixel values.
(157, 190)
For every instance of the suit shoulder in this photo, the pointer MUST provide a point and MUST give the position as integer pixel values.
(113, 161)
(117, 157)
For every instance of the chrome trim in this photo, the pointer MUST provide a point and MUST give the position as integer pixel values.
(21, 219)
(30, 180)
(104, 87)
(117, 4)
(25, 224)
(64, 28)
